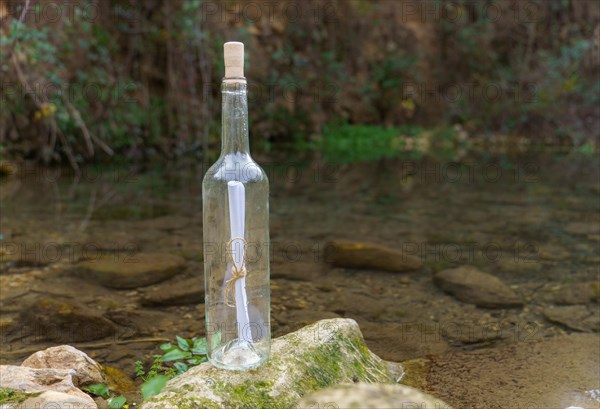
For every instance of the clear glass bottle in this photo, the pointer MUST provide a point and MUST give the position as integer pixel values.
(236, 262)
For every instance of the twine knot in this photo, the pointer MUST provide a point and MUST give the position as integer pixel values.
(236, 272)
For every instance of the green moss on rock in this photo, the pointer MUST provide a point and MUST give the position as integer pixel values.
(13, 396)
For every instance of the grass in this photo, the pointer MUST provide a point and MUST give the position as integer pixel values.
(357, 143)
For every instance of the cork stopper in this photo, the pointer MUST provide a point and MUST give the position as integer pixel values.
(234, 59)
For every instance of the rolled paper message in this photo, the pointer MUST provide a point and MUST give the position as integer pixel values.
(237, 248)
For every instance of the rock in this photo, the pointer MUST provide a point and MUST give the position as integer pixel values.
(10, 398)
(398, 342)
(132, 271)
(575, 317)
(370, 396)
(117, 380)
(31, 380)
(583, 228)
(138, 322)
(86, 370)
(57, 400)
(350, 254)
(475, 287)
(189, 291)
(550, 373)
(573, 294)
(64, 322)
(325, 353)
(7, 168)
(595, 286)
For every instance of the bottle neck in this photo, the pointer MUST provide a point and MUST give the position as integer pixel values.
(234, 129)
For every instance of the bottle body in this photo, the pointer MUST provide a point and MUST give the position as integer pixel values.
(238, 336)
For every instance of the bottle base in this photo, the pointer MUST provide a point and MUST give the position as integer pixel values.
(237, 355)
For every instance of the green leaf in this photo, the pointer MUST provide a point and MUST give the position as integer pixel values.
(175, 355)
(181, 367)
(195, 360)
(183, 343)
(167, 347)
(154, 385)
(98, 389)
(199, 347)
(117, 402)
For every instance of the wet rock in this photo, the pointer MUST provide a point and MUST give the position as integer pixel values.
(189, 291)
(31, 380)
(132, 270)
(595, 286)
(117, 380)
(350, 254)
(64, 322)
(57, 400)
(398, 342)
(86, 370)
(325, 353)
(575, 317)
(136, 323)
(296, 270)
(583, 228)
(370, 396)
(109, 239)
(573, 294)
(7, 168)
(475, 287)
(550, 373)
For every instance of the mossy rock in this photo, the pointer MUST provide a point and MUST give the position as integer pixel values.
(325, 353)
(117, 380)
(10, 396)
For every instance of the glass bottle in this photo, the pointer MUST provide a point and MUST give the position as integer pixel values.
(235, 195)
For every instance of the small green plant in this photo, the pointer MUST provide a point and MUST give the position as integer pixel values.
(102, 390)
(187, 352)
(183, 355)
(156, 368)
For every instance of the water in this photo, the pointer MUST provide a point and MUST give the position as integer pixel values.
(531, 221)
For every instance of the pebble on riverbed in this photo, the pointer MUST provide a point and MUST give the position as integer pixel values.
(62, 321)
(350, 254)
(475, 287)
(183, 292)
(131, 271)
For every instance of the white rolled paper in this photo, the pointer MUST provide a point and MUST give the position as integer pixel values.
(237, 214)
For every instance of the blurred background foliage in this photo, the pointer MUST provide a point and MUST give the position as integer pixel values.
(351, 79)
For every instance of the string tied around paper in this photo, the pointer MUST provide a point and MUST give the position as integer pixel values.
(236, 272)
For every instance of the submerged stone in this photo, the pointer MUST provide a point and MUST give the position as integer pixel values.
(325, 353)
(475, 287)
(188, 291)
(62, 321)
(350, 254)
(132, 271)
(575, 317)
